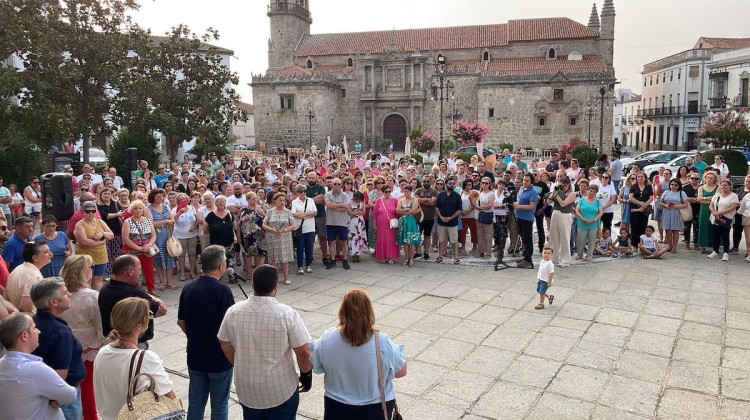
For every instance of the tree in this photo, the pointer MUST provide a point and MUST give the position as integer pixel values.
(469, 132)
(126, 138)
(179, 86)
(72, 53)
(726, 128)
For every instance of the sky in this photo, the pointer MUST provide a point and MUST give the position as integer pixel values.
(645, 30)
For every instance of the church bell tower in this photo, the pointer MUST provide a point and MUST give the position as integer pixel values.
(290, 21)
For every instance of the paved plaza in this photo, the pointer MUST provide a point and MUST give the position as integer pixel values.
(624, 339)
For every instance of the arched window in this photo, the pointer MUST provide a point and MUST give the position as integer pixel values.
(486, 56)
(551, 54)
(309, 64)
(349, 62)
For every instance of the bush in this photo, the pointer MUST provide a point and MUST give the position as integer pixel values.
(585, 155)
(125, 139)
(19, 157)
(466, 157)
(417, 157)
(502, 146)
(734, 159)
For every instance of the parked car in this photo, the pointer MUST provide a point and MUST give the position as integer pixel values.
(673, 165)
(240, 147)
(662, 158)
(628, 160)
(97, 157)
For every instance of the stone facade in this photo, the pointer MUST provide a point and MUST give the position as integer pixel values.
(528, 80)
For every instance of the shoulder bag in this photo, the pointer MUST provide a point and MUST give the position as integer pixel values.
(298, 232)
(174, 247)
(396, 414)
(147, 405)
(153, 250)
(687, 212)
(393, 222)
(722, 221)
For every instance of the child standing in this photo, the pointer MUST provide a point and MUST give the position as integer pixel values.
(650, 245)
(544, 277)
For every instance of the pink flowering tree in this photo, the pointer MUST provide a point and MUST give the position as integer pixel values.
(424, 142)
(469, 132)
(726, 128)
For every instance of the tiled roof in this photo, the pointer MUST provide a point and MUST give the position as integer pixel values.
(247, 107)
(532, 66)
(457, 37)
(722, 43)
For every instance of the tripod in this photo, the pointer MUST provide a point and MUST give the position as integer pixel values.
(500, 264)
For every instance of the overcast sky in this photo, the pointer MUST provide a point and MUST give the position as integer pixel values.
(645, 30)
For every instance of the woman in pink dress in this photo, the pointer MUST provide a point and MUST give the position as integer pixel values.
(386, 248)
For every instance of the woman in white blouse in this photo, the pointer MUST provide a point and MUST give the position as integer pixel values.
(85, 320)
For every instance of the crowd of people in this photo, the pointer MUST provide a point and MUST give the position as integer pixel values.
(62, 318)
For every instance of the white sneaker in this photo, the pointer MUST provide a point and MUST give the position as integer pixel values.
(747, 259)
(712, 255)
(309, 269)
(725, 257)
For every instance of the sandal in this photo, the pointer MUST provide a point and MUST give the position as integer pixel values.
(551, 298)
(390, 262)
(159, 287)
(439, 260)
(172, 287)
(287, 282)
(456, 261)
(539, 306)
(182, 278)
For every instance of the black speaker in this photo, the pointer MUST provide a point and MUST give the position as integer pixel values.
(131, 165)
(57, 195)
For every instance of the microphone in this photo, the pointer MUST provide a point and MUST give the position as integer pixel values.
(231, 273)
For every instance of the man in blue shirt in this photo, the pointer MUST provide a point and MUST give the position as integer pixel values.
(13, 250)
(525, 207)
(31, 389)
(162, 175)
(203, 304)
(58, 347)
(447, 209)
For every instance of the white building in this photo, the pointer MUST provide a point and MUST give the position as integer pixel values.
(619, 122)
(627, 113)
(676, 95)
(729, 76)
(244, 132)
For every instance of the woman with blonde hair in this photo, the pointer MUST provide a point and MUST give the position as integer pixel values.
(85, 320)
(346, 355)
(278, 225)
(186, 223)
(91, 236)
(130, 318)
(706, 193)
(137, 238)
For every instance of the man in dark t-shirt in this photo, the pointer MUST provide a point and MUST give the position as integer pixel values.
(126, 271)
(427, 197)
(447, 210)
(317, 192)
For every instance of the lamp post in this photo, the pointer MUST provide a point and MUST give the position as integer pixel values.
(604, 88)
(310, 117)
(590, 115)
(443, 91)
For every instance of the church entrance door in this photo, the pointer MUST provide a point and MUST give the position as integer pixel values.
(394, 128)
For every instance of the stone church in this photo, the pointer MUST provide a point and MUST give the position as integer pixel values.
(531, 81)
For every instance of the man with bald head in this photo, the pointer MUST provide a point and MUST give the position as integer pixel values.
(78, 215)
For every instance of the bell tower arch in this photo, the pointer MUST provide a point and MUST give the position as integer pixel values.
(290, 21)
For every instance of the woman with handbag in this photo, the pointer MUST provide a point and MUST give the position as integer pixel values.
(723, 207)
(385, 226)
(705, 194)
(111, 212)
(91, 235)
(641, 196)
(485, 217)
(348, 354)
(138, 239)
(408, 229)
(186, 223)
(252, 237)
(113, 363)
(279, 225)
(163, 222)
(671, 220)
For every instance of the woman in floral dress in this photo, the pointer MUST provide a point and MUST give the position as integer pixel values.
(252, 235)
(357, 232)
(279, 224)
(408, 229)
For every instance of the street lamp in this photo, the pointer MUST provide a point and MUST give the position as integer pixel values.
(310, 117)
(590, 108)
(604, 88)
(443, 91)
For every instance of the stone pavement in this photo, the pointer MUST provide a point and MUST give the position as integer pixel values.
(624, 339)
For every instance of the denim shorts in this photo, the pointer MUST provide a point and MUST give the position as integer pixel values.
(99, 270)
(541, 287)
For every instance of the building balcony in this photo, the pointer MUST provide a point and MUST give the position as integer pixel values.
(667, 111)
(717, 103)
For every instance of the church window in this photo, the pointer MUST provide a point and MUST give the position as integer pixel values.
(491, 113)
(552, 54)
(558, 94)
(573, 121)
(651, 80)
(679, 73)
(287, 101)
(343, 93)
(657, 79)
(486, 56)
(671, 75)
(309, 64)
(542, 121)
(350, 62)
